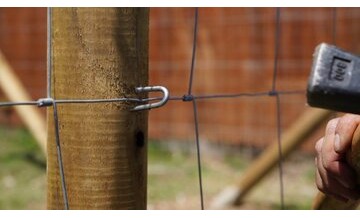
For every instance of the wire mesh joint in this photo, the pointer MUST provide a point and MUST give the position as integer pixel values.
(45, 102)
(273, 93)
(188, 98)
(149, 106)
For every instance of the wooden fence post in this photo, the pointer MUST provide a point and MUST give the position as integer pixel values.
(99, 53)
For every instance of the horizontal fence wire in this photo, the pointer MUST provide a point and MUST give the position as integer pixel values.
(77, 101)
(189, 96)
(146, 100)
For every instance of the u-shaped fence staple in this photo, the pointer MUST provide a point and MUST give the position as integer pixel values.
(149, 106)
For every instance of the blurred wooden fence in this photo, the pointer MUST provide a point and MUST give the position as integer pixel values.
(235, 54)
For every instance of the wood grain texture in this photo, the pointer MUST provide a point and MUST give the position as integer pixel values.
(99, 53)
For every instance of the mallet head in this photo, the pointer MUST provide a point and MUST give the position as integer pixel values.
(334, 82)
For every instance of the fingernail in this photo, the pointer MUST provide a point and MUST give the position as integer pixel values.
(337, 143)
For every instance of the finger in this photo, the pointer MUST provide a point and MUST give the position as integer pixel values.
(331, 126)
(342, 172)
(332, 161)
(319, 182)
(333, 164)
(321, 187)
(344, 132)
(331, 185)
(318, 145)
(322, 172)
(326, 148)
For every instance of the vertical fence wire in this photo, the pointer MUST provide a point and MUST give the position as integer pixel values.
(55, 113)
(277, 96)
(198, 152)
(280, 161)
(191, 78)
(273, 92)
(189, 97)
(276, 48)
(59, 157)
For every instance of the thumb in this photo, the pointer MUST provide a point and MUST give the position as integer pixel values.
(344, 133)
(338, 146)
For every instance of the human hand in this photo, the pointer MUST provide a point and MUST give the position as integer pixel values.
(334, 176)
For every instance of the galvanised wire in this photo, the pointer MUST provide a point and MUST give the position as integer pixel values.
(187, 97)
(278, 114)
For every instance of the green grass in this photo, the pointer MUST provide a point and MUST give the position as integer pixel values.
(173, 180)
(169, 174)
(172, 176)
(22, 170)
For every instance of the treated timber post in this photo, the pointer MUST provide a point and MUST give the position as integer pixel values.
(324, 202)
(99, 53)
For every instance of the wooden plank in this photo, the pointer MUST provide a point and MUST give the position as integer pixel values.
(294, 136)
(99, 53)
(15, 91)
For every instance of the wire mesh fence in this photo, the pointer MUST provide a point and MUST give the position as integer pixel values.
(274, 93)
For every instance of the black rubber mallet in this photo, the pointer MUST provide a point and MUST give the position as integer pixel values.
(334, 84)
